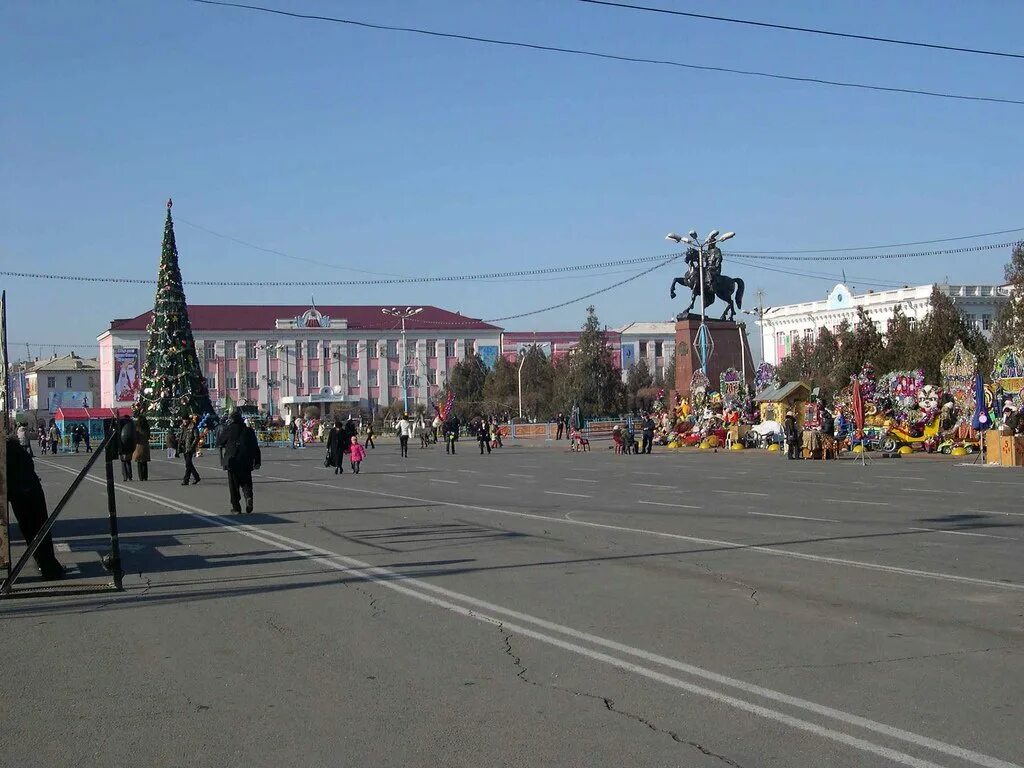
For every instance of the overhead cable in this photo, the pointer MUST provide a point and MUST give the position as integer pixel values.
(610, 56)
(809, 30)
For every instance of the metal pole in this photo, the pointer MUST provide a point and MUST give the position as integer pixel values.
(405, 369)
(700, 269)
(115, 545)
(521, 363)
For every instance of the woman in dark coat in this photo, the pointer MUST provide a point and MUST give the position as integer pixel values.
(127, 440)
(337, 442)
(141, 453)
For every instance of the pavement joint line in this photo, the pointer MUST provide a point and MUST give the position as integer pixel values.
(439, 480)
(386, 578)
(668, 504)
(934, 490)
(759, 548)
(563, 493)
(858, 501)
(740, 493)
(513, 474)
(966, 533)
(502, 487)
(796, 517)
(999, 482)
(654, 485)
(580, 480)
(901, 477)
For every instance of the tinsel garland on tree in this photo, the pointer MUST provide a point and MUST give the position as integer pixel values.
(173, 384)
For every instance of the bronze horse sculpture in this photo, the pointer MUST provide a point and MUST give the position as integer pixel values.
(722, 286)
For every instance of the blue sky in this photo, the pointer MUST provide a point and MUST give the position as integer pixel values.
(397, 153)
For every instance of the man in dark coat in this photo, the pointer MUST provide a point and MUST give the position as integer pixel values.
(793, 436)
(125, 445)
(188, 444)
(649, 427)
(25, 493)
(451, 433)
(828, 423)
(560, 425)
(241, 455)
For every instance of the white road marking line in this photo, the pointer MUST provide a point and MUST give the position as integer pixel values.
(796, 517)
(656, 474)
(61, 546)
(387, 579)
(965, 533)
(468, 471)
(419, 466)
(901, 477)
(935, 490)
(513, 474)
(992, 512)
(653, 485)
(439, 480)
(503, 487)
(858, 501)
(998, 482)
(740, 493)
(667, 504)
(562, 493)
(579, 480)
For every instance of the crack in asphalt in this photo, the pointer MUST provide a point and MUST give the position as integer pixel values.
(726, 579)
(608, 703)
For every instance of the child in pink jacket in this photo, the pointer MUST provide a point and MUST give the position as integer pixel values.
(357, 454)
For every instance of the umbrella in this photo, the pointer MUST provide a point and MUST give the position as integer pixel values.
(858, 407)
(980, 421)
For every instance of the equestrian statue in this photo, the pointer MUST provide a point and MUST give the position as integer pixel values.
(715, 283)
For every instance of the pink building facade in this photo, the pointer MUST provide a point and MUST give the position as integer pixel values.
(282, 358)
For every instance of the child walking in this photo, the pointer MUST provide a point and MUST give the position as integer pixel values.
(357, 453)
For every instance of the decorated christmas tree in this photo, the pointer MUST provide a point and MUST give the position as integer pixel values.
(173, 385)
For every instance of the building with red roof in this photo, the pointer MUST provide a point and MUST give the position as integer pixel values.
(284, 357)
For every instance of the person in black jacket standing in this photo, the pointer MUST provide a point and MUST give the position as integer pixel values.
(241, 455)
(126, 446)
(793, 436)
(188, 442)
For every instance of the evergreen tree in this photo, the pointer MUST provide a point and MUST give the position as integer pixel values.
(668, 378)
(939, 331)
(1009, 324)
(638, 378)
(901, 339)
(794, 367)
(538, 384)
(501, 387)
(588, 377)
(822, 360)
(858, 345)
(466, 379)
(173, 385)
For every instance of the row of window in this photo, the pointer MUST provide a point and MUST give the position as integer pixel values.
(658, 348)
(51, 382)
(251, 381)
(313, 349)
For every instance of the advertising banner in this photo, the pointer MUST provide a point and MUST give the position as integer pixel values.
(126, 374)
(489, 355)
(628, 356)
(69, 400)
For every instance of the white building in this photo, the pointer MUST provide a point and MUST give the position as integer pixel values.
(653, 342)
(281, 358)
(781, 326)
(42, 387)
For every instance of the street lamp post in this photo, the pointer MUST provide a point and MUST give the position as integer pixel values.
(704, 344)
(522, 360)
(271, 382)
(404, 314)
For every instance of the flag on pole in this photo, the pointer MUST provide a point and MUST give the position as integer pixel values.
(858, 407)
(980, 421)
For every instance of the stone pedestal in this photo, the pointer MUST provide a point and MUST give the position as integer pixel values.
(729, 352)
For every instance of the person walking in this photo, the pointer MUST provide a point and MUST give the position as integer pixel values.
(404, 429)
(187, 440)
(792, 432)
(435, 428)
(424, 430)
(483, 436)
(335, 456)
(560, 428)
(320, 432)
(648, 434)
(42, 434)
(54, 438)
(300, 433)
(24, 440)
(293, 429)
(496, 435)
(76, 437)
(369, 435)
(240, 452)
(126, 441)
(141, 454)
(451, 433)
(25, 493)
(172, 444)
(358, 453)
(85, 439)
